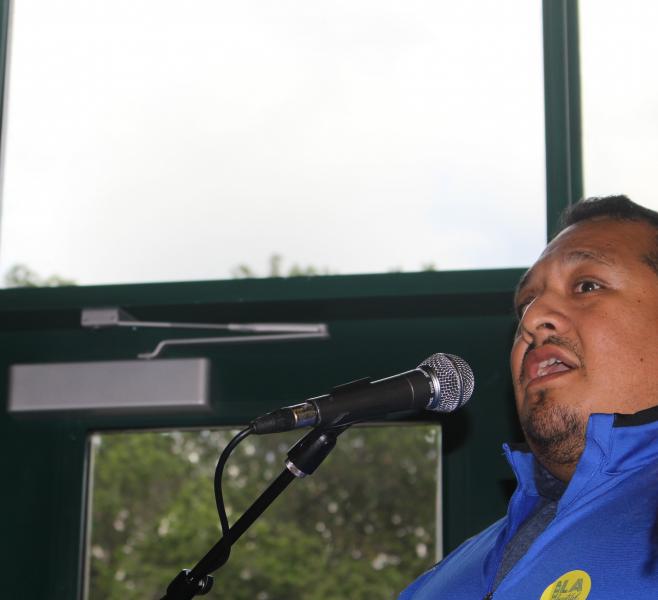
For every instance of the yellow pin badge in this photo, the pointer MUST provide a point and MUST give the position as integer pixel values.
(574, 585)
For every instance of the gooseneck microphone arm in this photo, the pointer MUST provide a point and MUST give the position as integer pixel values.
(441, 383)
(303, 459)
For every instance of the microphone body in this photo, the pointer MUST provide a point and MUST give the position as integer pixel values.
(442, 383)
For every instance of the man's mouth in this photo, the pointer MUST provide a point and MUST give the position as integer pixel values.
(546, 361)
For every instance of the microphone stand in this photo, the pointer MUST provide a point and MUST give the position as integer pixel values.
(303, 459)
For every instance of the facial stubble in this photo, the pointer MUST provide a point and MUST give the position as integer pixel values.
(554, 432)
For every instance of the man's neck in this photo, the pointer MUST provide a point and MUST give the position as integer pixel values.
(560, 469)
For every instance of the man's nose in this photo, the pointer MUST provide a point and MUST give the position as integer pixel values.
(545, 316)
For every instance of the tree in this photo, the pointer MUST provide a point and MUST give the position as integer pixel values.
(363, 520)
(22, 276)
(276, 269)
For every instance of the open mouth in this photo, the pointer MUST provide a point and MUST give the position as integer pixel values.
(547, 361)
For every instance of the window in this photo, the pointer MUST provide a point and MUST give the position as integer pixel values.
(362, 526)
(148, 143)
(620, 122)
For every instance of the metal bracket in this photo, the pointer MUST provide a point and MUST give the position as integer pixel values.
(97, 318)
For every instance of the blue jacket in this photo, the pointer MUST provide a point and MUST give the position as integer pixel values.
(602, 543)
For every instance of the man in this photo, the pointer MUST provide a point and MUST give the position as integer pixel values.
(583, 521)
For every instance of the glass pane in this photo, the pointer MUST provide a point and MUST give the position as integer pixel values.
(620, 121)
(366, 520)
(151, 141)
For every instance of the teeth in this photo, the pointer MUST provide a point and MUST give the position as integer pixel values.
(546, 363)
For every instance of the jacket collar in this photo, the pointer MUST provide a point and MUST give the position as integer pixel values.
(614, 444)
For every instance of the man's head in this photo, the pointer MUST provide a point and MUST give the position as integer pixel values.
(587, 339)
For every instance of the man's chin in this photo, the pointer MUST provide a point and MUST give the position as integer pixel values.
(555, 433)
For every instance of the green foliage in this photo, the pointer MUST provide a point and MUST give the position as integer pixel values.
(23, 276)
(276, 269)
(361, 527)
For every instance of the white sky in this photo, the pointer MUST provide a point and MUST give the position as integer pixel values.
(619, 48)
(153, 141)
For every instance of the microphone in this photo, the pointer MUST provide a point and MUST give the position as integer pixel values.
(441, 383)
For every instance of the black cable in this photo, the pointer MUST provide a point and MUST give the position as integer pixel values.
(219, 470)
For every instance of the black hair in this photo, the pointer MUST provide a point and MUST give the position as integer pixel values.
(618, 208)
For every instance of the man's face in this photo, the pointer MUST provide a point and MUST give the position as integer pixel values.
(587, 340)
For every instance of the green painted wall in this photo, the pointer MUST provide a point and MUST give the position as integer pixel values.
(379, 324)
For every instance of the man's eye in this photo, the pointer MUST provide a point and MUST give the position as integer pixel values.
(587, 286)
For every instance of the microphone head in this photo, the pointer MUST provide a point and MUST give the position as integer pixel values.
(453, 381)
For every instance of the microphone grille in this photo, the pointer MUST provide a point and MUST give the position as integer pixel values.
(455, 381)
